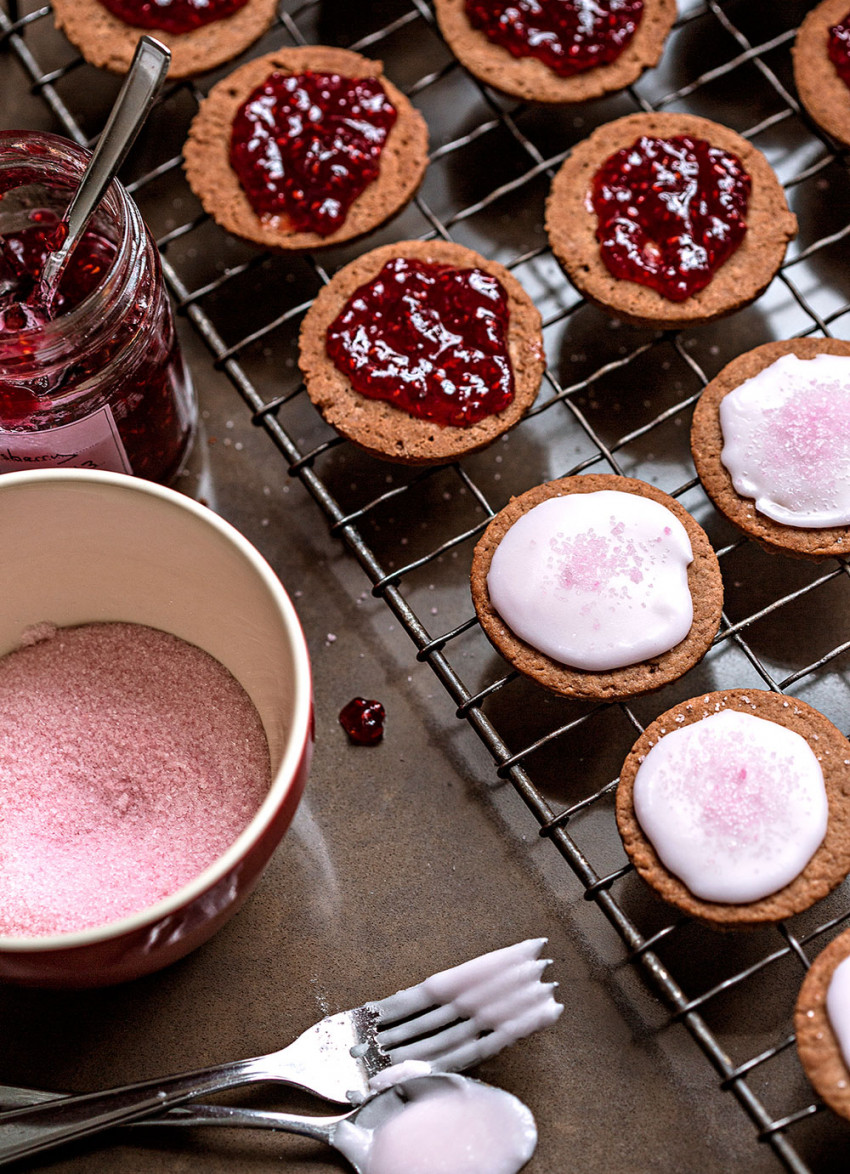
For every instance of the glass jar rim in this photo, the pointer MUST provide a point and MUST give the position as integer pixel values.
(54, 152)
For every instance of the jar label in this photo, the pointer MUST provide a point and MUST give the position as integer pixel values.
(90, 443)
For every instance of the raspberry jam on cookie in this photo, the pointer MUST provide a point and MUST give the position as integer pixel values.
(305, 146)
(428, 338)
(838, 48)
(670, 212)
(172, 16)
(568, 36)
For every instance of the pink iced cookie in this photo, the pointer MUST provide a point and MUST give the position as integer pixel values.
(838, 1007)
(596, 581)
(611, 590)
(786, 434)
(738, 822)
(734, 805)
(776, 461)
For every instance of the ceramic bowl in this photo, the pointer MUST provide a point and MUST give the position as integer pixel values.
(84, 546)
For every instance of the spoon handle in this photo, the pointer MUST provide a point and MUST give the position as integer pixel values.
(132, 106)
(319, 1128)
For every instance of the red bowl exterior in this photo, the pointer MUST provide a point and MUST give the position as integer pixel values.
(139, 951)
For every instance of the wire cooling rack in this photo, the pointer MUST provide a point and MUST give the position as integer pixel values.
(614, 399)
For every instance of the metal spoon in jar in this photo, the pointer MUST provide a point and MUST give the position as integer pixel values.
(141, 87)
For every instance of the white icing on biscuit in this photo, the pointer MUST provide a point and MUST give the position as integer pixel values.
(838, 1007)
(734, 805)
(786, 440)
(596, 581)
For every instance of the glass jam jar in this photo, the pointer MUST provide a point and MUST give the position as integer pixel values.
(99, 381)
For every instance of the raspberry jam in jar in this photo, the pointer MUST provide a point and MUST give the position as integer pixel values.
(670, 212)
(305, 146)
(568, 36)
(97, 381)
(172, 16)
(430, 339)
(838, 48)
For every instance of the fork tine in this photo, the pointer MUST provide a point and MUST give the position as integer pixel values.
(486, 1034)
(476, 1050)
(447, 985)
(391, 1038)
(476, 1003)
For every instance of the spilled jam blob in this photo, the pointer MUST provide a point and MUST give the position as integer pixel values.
(363, 721)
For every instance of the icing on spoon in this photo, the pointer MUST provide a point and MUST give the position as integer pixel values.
(437, 1124)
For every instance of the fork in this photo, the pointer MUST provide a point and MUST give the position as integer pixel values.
(451, 1020)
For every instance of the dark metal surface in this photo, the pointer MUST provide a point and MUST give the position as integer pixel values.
(471, 861)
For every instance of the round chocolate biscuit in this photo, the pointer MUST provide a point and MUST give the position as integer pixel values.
(823, 93)
(381, 428)
(109, 43)
(707, 445)
(530, 79)
(704, 581)
(571, 225)
(830, 863)
(817, 1045)
(207, 153)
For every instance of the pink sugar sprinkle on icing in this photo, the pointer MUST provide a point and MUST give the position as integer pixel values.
(734, 805)
(129, 761)
(590, 561)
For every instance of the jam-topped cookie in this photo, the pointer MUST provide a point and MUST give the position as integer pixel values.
(623, 221)
(422, 352)
(597, 586)
(822, 1024)
(201, 34)
(556, 50)
(771, 443)
(273, 176)
(821, 57)
(733, 807)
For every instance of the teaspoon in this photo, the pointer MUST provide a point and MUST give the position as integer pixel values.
(142, 84)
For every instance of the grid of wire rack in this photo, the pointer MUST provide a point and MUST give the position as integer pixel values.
(614, 399)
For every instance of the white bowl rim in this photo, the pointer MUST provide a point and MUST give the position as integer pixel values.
(297, 743)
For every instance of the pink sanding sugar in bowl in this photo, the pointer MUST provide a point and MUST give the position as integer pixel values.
(130, 760)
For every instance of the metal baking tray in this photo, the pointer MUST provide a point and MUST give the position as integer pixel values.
(487, 812)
